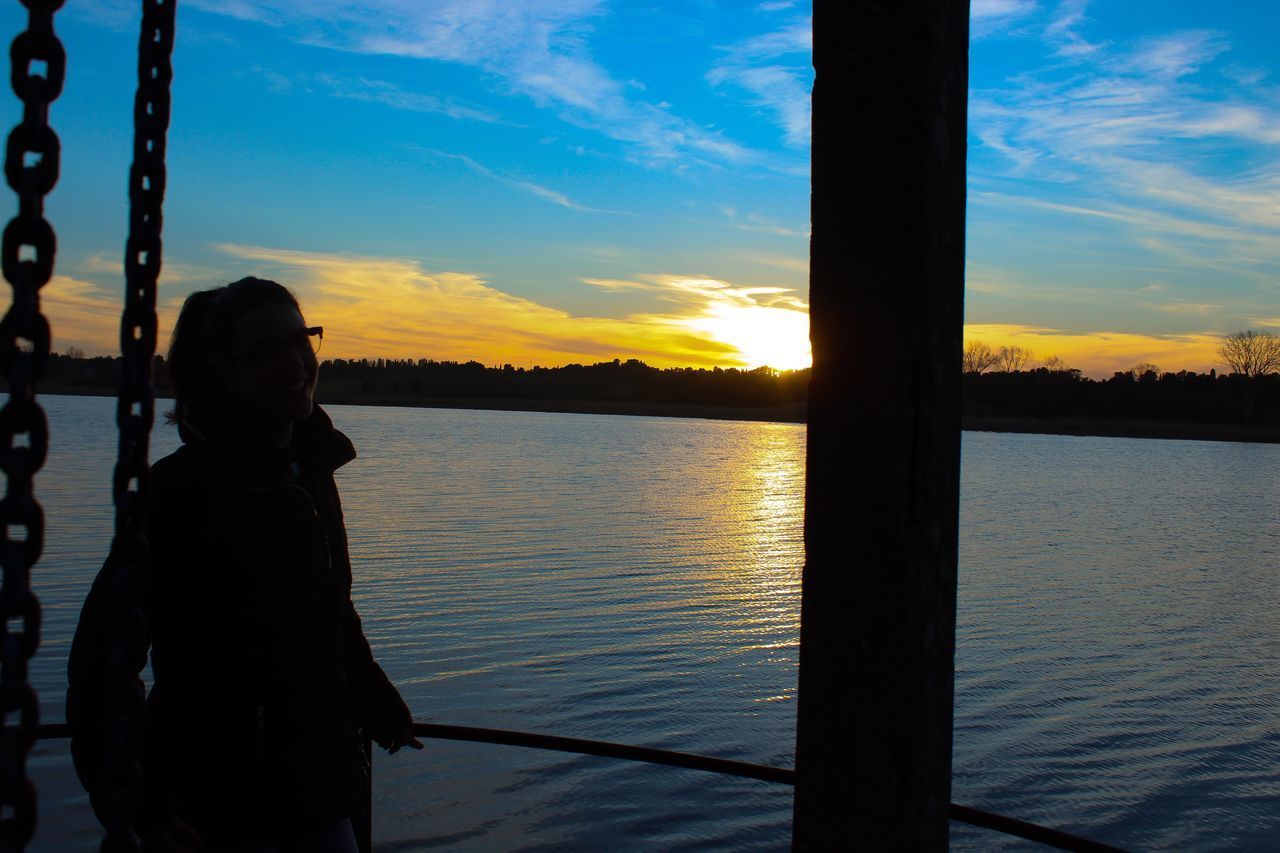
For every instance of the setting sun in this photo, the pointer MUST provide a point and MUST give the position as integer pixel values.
(763, 335)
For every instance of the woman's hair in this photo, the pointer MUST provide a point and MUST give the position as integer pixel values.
(202, 334)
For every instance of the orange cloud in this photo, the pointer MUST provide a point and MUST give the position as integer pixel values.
(766, 325)
(84, 315)
(392, 307)
(1101, 354)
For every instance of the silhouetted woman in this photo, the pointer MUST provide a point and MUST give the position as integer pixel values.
(262, 674)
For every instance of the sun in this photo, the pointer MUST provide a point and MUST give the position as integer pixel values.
(762, 335)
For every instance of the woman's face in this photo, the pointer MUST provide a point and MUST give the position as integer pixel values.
(271, 367)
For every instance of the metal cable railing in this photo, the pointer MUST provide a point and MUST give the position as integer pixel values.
(763, 772)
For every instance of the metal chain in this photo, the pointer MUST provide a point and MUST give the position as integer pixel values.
(135, 413)
(26, 256)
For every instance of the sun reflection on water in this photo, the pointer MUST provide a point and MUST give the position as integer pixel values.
(766, 515)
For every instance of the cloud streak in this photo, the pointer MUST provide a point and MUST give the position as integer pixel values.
(781, 89)
(398, 98)
(1064, 29)
(1132, 118)
(81, 314)
(545, 193)
(991, 16)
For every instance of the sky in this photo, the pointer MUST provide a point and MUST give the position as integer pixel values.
(560, 181)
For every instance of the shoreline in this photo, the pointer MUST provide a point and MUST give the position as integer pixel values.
(783, 413)
(793, 413)
(1118, 428)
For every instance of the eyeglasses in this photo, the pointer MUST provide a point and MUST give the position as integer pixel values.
(269, 349)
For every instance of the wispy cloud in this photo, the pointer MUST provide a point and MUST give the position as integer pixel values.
(782, 262)
(1249, 200)
(1245, 75)
(85, 315)
(82, 315)
(981, 9)
(1142, 135)
(781, 88)
(1188, 307)
(114, 14)
(699, 290)
(1245, 243)
(538, 190)
(760, 224)
(1064, 29)
(1169, 57)
(991, 16)
(539, 49)
(391, 95)
(110, 266)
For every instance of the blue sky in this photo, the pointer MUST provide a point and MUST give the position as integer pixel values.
(1124, 199)
(575, 180)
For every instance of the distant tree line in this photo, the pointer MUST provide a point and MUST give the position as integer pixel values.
(617, 380)
(996, 385)
(76, 372)
(1183, 396)
(408, 380)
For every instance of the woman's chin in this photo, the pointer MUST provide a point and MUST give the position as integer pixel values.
(287, 408)
(299, 409)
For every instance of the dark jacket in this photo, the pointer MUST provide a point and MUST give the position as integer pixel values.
(262, 674)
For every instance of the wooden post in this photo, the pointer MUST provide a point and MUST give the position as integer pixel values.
(873, 752)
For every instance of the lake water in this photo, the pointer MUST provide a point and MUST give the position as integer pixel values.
(637, 579)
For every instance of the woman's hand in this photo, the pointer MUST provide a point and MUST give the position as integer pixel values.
(173, 836)
(405, 738)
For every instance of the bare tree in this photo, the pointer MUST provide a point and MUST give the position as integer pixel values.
(1142, 368)
(977, 357)
(1011, 359)
(1251, 353)
(75, 352)
(1054, 364)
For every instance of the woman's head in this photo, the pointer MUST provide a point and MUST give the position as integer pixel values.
(243, 352)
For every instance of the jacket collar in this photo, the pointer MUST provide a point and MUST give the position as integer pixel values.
(317, 448)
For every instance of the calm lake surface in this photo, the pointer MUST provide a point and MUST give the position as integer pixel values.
(637, 579)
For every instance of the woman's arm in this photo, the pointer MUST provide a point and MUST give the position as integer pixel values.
(88, 669)
(383, 713)
(90, 711)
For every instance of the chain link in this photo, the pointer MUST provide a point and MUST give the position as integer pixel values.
(32, 153)
(135, 413)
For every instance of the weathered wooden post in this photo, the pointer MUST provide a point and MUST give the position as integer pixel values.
(873, 754)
